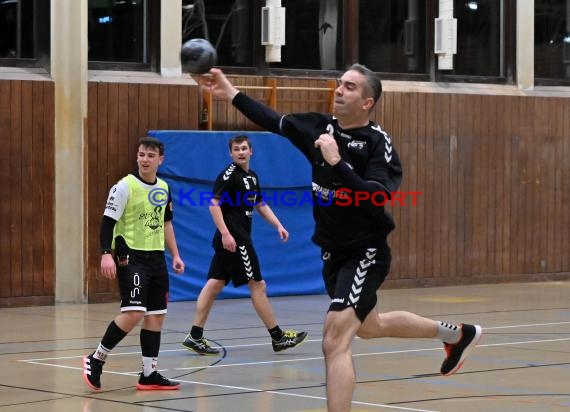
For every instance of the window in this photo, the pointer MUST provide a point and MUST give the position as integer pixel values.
(125, 32)
(391, 34)
(479, 38)
(313, 35)
(393, 37)
(226, 24)
(551, 39)
(24, 32)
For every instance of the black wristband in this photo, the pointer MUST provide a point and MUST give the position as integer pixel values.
(106, 251)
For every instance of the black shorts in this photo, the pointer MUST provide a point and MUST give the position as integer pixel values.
(352, 279)
(143, 282)
(240, 266)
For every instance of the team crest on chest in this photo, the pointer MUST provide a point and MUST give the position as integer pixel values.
(357, 144)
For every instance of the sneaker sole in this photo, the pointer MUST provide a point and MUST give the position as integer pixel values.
(468, 349)
(89, 384)
(156, 387)
(200, 353)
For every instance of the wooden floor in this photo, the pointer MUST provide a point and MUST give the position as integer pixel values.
(522, 363)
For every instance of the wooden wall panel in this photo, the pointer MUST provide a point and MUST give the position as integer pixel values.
(493, 172)
(48, 193)
(565, 184)
(120, 114)
(5, 202)
(27, 211)
(16, 200)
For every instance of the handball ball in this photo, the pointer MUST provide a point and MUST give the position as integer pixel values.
(197, 56)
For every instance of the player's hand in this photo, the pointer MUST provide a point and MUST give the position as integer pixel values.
(329, 149)
(283, 234)
(229, 242)
(177, 265)
(108, 266)
(218, 84)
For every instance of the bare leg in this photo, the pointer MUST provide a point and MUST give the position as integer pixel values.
(206, 300)
(153, 322)
(397, 324)
(261, 303)
(126, 321)
(338, 333)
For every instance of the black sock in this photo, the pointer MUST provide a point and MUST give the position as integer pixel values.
(112, 336)
(196, 332)
(276, 333)
(150, 343)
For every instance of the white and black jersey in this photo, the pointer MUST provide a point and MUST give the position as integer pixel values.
(369, 163)
(238, 192)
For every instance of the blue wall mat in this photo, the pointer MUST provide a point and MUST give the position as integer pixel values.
(193, 159)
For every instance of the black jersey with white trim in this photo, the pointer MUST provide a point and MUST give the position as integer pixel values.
(238, 192)
(367, 150)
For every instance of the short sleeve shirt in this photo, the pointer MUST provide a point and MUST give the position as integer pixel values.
(238, 192)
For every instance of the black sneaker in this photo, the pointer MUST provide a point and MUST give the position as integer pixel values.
(290, 339)
(457, 352)
(92, 370)
(201, 346)
(155, 381)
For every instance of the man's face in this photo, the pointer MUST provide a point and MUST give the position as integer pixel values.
(241, 153)
(148, 160)
(350, 95)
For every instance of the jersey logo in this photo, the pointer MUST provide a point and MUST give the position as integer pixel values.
(360, 276)
(387, 143)
(246, 262)
(357, 144)
(388, 152)
(229, 172)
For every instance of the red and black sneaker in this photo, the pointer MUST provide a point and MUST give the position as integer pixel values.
(457, 352)
(92, 370)
(155, 381)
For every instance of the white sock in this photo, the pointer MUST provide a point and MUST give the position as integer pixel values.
(448, 333)
(101, 353)
(149, 365)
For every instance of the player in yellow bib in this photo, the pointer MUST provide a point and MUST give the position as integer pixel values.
(137, 225)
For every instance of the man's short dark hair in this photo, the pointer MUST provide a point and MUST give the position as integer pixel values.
(372, 79)
(153, 143)
(237, 140)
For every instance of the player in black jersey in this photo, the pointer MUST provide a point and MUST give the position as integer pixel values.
(236, 194)
(354, 167)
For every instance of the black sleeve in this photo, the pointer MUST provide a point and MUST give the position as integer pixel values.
(257, 189)
(222, 185)
(384, 166)
(257, 112)
(352, 181)
(106, 235)
(168, 215)
(381, 179)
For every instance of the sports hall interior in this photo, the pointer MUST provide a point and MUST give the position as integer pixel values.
(487, 242)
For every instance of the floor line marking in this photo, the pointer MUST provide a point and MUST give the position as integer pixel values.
(39, 361)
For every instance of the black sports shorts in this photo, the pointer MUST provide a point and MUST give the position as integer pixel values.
(240, 266)
(352, 278)
(143, 281)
